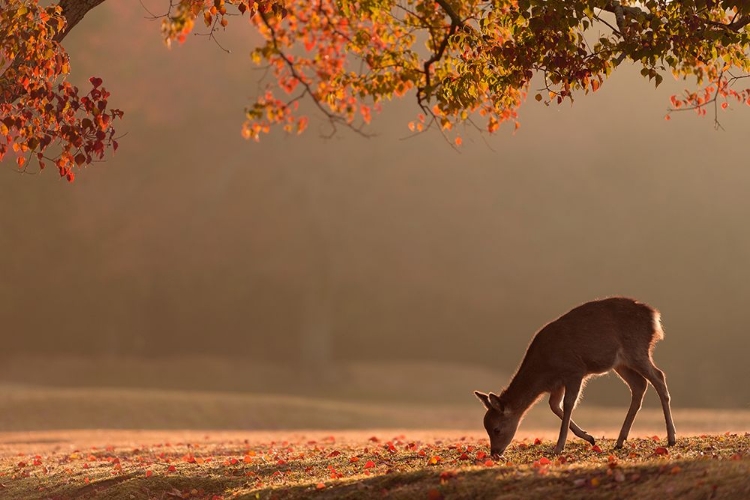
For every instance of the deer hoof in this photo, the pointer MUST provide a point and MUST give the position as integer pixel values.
(590, 439)
(618, 446)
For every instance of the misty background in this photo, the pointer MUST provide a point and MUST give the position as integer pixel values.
(194, 259)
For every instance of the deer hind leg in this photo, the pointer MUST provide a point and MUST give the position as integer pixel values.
(638, 385)
(555, 398)
(572, 389)
(659, 381)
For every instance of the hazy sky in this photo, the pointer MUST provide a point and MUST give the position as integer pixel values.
(191, 239)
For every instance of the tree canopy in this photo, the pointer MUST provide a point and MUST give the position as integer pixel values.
(468, 61)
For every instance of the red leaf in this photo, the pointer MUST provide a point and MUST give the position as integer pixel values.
(434, 494)
(537, 441)
(481, 455)
(596, 448)
(149, 473)
(370, 464)
(660, 450)
(171, 468)
(544, 461)
(95, 81)
(489, 463)
(447, 474)
(320, 486)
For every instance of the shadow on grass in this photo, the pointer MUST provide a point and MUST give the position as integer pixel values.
(684, 479)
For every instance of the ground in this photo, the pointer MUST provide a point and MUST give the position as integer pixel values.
(92, 437)
(363, 464)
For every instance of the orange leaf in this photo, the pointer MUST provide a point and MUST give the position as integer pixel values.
(370, 464)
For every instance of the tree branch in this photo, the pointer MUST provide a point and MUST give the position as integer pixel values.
(74, 11)
(621, 11)
(455, 19)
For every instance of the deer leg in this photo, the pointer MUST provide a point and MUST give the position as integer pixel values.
(572, 389)
(555, 398)
(638, 385)
(659, 381)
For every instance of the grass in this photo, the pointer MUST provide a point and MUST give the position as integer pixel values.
(366, 464)
(45, 408)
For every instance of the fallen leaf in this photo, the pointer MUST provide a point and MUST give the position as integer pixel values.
(434, 494)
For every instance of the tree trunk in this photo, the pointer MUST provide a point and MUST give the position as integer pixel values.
(316, 330)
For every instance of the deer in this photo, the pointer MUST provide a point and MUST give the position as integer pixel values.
(615, 333)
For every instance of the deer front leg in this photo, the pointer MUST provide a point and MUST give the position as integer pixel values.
(555, 398)
(572, 389)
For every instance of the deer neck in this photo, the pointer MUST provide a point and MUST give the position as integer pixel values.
(523, 391)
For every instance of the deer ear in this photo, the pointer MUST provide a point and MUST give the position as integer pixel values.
(484, 398)
(496, 403)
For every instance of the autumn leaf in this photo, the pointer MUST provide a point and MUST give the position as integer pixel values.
(434, 494)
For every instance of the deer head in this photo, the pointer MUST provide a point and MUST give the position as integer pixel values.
(500, 422)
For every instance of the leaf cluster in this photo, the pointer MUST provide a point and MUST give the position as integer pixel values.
(42, 116)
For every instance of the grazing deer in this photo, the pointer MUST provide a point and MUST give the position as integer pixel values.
(594, 338)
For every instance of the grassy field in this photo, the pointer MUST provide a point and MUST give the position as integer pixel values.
(361, 465)
(43, 408)
(129, 443)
